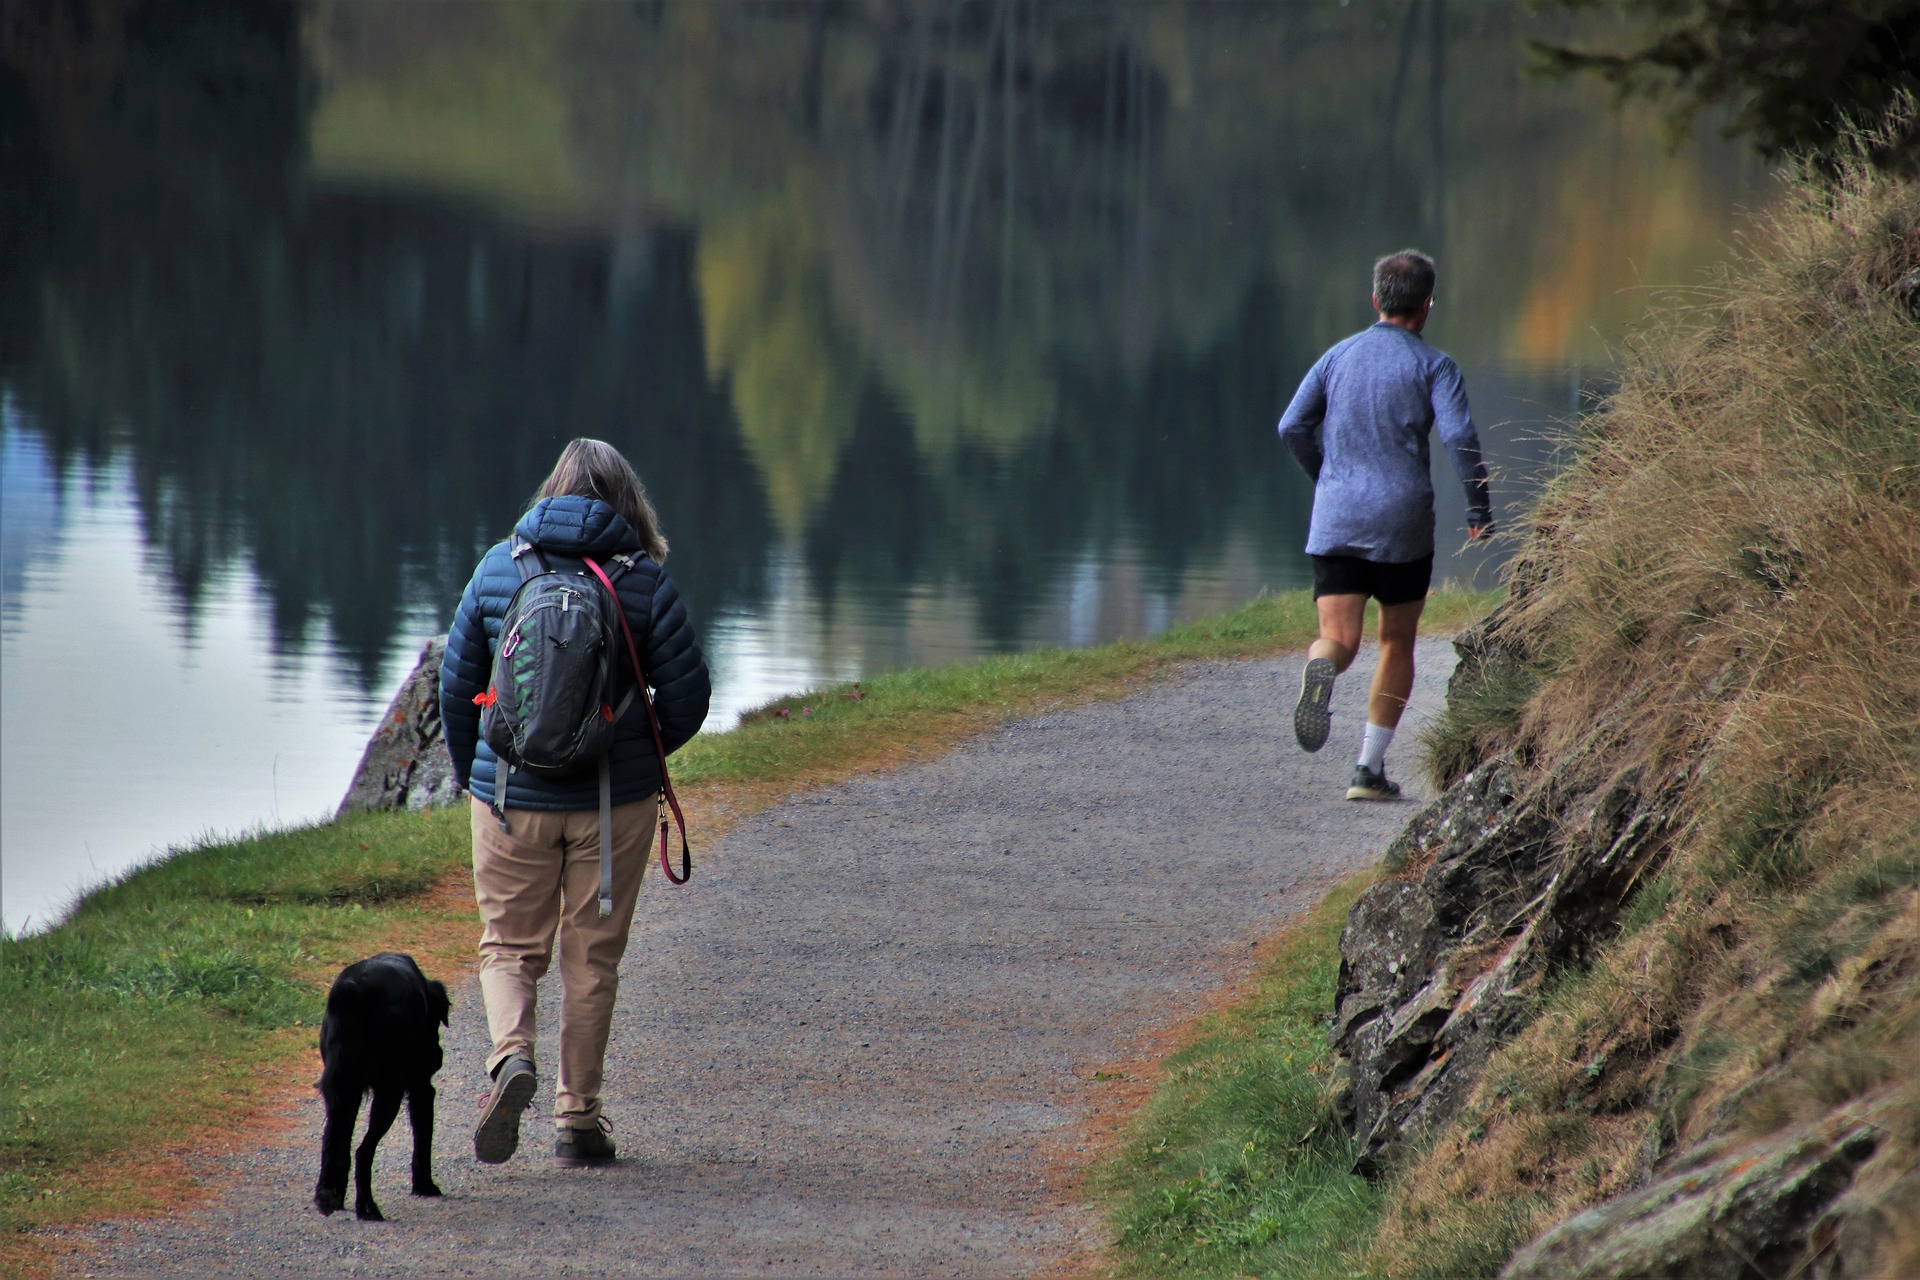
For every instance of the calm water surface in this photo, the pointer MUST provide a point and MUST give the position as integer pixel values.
(935, 329)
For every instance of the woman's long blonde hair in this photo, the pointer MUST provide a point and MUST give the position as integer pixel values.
(595, 469)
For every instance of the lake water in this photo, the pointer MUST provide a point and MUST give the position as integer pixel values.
(935, 330)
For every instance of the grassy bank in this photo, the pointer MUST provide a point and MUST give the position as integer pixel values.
(1238, 1165)
(176, 1008)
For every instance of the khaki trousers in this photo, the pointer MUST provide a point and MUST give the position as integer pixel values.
(541, 875)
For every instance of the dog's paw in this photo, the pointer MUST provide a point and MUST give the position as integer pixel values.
(367, 1211)
(329, 1199)
(426, 1188)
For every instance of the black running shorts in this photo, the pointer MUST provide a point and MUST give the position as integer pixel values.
(1387, 583)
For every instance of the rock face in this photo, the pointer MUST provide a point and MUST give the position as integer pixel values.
(1501, 880)
(406, 765)
(1727, 1211)
(1512, 874)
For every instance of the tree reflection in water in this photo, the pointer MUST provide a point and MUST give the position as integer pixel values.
(937, 297)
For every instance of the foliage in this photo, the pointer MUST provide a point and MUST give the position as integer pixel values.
(1795, 73)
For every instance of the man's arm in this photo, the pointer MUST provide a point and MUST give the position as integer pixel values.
(1454, 419)
(1300, 424)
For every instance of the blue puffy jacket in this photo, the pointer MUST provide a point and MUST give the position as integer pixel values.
(669, 653)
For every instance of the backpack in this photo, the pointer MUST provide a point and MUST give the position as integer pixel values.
(549, 709)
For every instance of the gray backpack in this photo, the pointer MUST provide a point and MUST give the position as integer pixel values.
(549, 709)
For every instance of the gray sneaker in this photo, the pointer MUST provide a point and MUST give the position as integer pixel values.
(1368, 785)
(497, 1136)
(582, 1148)
(1312, 719)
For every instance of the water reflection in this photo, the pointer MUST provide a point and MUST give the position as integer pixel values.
(935, 328)
(128, 719)
(31, 515)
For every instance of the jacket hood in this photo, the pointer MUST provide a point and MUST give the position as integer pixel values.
(576, 526)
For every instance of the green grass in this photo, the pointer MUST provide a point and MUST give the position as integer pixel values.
(161, 1006)
(1238, 1164)
(1486, 711)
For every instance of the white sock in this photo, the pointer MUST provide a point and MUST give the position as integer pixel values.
(1373, 750)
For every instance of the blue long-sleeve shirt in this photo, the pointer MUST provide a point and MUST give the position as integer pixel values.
(1359, 426)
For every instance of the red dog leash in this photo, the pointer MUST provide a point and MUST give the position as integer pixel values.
(653, 722)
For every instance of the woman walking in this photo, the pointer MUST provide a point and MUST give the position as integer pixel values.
(537, 856)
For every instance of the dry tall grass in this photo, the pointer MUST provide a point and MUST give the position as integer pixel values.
(1727, 584)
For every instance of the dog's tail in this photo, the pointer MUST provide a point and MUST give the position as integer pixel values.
(346, 998)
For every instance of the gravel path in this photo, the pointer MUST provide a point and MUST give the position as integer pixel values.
(862, 1038)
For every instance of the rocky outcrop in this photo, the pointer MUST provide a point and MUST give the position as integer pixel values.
(1480, 655)
(1784, 1206)
(1515, 873)
(406, 765)
(1503, 879)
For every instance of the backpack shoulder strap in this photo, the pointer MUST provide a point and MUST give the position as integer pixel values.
(618, 565)
(659, 745)
(527, 558)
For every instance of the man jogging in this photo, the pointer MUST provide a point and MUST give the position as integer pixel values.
(1359, 426)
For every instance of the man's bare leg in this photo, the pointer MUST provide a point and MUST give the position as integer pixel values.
(1327, 657)
(1392, 685)
(1393, 678)
(1340, 619)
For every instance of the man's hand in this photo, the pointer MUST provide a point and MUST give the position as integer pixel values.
(1479, 525)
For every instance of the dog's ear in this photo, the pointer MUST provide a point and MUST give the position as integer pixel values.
(438, 1002)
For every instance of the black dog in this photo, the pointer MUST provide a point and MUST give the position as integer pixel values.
(381, 1034)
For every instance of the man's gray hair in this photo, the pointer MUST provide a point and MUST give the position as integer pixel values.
(1403, 281)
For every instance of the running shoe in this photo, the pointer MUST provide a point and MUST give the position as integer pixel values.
(1312, 719)
(1368, 785)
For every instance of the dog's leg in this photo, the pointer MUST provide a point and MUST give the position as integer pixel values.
(420, 1113)
(343, 1107)
(386, 1105)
